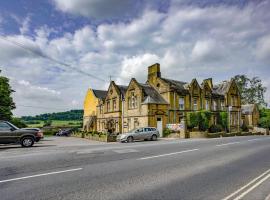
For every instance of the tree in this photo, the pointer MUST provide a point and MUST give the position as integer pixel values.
(6, 101)
(251, 90)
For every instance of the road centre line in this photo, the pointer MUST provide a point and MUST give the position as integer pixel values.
(250, 183)
(219, 145)
(38, 175)
(167, 154)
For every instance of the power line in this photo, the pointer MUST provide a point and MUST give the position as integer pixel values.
(28, 106)
(41, 54)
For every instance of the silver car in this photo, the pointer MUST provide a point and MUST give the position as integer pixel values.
(145, 133)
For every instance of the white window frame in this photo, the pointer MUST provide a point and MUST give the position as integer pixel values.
(181, 103)
(195, 106)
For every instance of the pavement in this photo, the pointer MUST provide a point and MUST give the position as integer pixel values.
(75, 168)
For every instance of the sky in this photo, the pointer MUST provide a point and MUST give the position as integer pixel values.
(54, 50)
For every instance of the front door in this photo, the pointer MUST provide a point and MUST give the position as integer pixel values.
(159, 126)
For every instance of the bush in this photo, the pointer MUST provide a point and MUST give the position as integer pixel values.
(18, 122)
(223, 120)
(244, 127)
(213, 135)
(264, 122)
(192, 120)
(203, 120)
(215, 128)
(47, 123)
(166, 132)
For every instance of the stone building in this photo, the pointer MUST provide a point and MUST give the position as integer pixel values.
(90, 108)
(162, 101)
(250, 115)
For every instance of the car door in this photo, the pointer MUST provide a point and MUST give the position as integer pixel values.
(147, 133)
(138, 134)
(5, 133)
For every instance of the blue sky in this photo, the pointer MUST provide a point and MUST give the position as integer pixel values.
(189, 38)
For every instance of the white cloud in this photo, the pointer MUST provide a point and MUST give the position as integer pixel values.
(100, 9)
(25, 25)
(188, 42)
(263, 48)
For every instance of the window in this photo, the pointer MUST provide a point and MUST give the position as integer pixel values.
(195, 104)
(181, 103)
(4, 126)
(222, 105)
(108, 106)
(215, 105)
(232, 101)
(114, 104)
(101, 109)
(133, 103)
(206, 104)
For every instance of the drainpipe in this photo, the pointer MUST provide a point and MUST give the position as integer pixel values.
(122, 113)
(174, 116)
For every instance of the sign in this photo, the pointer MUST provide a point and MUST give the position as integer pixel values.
(176, 127)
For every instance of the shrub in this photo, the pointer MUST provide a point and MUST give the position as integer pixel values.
(264, 122)
(215, 128)
(166, 132)
(47, 123)
(192, 120)
(203, 120)
(213, 135)
(18, 122)
(223, 120)
(244, 127)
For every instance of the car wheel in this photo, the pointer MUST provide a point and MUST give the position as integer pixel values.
(154, 137)
(27, 142)
(130, 139)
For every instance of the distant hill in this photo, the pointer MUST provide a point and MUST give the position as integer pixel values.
(68, 115)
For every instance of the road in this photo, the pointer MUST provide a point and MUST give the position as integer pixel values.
(222, 168)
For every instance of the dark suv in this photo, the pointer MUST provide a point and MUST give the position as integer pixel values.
(24, 136)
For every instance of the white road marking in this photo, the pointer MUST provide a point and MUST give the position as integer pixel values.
(167, 154)
(268, 197)
(125, 150)
(38, 175)
(219, 145)
(250, 183)
(252, 188)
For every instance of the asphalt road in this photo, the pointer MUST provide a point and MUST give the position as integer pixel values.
(223, 168)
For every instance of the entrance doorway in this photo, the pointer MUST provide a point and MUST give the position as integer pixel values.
(159, 126)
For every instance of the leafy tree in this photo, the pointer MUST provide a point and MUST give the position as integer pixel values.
(192, 120)
(18, 122)
(251, 90)
(6, 101)
(223, 120)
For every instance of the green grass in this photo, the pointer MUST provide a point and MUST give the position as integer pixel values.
(56, 123)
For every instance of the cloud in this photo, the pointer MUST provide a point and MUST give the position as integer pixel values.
(263, 48)
(188, 41)
(25, 25)
(100, 9)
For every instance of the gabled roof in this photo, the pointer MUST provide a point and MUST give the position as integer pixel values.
(123, 89)
(179, 86)
(101, 94)
(151, 96)
(222, 88)
(248, 108)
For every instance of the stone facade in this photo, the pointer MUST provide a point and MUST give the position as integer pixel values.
(250, 115)
(91, 101)
(161, 101)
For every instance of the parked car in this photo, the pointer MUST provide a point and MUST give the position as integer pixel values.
(145, 133)
(25, 136)
(65, 132)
